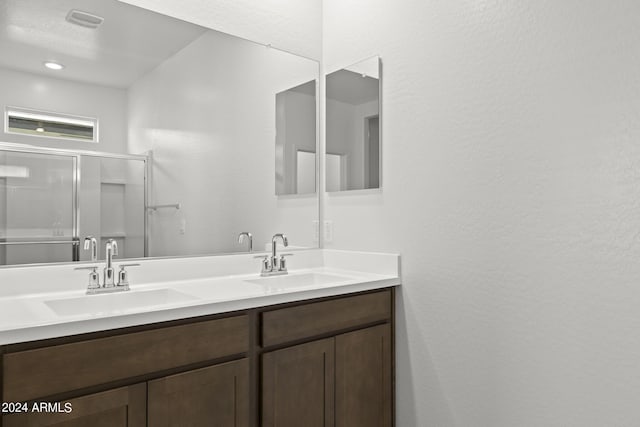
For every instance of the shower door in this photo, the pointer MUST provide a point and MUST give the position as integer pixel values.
(51, 199)
(38, 207)
(112, 204)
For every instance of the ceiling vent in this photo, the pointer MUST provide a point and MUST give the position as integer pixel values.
(84, 19)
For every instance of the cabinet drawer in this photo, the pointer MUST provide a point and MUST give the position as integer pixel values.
(308, 320)
(47, 371)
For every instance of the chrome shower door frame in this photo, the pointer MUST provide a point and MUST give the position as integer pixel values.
(76, 156)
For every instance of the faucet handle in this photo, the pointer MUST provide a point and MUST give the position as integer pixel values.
(94, 278)
(266, 263)
(283, 262)
(123, 276)
(91, 267)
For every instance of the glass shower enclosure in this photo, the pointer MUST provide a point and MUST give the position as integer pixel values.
(50, 200)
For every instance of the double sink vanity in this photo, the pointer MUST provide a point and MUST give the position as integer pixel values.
(203, 341)
(164, 144)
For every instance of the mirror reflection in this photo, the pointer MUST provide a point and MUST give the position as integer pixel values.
(124, 124)
(353, 127)
(296, 140)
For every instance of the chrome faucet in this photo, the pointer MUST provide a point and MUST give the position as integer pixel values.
(109, 274)
(90, 242)
(109, 271)
(249, 237)
(275, 265)
(274, 245)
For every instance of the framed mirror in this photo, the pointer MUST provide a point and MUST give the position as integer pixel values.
(124, 124)
(354, 142)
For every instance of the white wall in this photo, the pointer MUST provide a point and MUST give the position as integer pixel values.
(291, 25)
(210, 121)
(109, 105)
(511, 182)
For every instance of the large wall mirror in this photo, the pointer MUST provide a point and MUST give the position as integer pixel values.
(121, 123)
(353, 153)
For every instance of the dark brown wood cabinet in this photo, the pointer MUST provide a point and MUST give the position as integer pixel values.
(344, 380)
(298, 385)
(121, 407)
(364, 378)
(89, 362)
(325, 362)
(304, 321)
(212, 396)
(177, 371)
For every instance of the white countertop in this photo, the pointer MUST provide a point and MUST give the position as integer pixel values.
(50, 301)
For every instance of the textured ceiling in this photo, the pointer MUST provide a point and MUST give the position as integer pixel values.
(130, 42)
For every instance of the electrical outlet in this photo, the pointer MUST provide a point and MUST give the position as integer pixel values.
(316, 230)
(328, 231)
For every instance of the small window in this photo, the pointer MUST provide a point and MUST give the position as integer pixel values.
(50, 125)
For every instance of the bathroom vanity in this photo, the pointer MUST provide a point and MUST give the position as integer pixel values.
(186, 166)
(311, 348)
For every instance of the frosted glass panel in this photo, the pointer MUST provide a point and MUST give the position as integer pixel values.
(40, 220)
(37, 195)
(36, 204)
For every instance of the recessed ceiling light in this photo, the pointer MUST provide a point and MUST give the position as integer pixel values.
(53, 65)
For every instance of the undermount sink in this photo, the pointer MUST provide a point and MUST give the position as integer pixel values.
(116, 303)
(298, 280)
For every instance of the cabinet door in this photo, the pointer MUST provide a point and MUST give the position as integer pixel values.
(121, 407)
(298, 385)
(212, 396)
(363, 378)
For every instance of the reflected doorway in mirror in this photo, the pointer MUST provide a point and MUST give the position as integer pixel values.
(353, 127)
